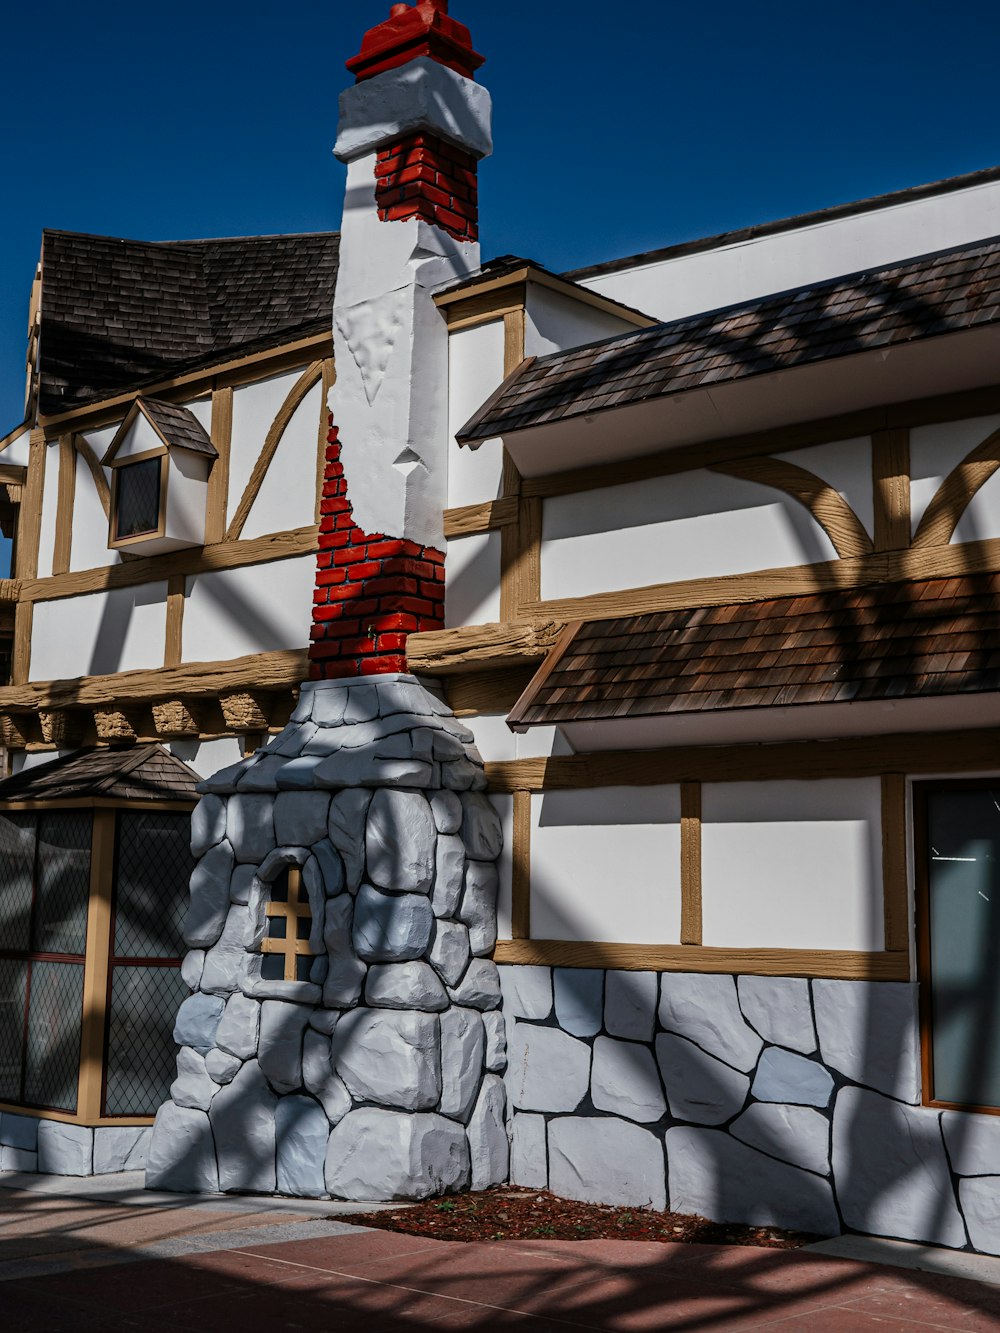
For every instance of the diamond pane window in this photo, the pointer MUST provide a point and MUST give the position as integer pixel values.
(154, 871)
(141, 1050)
(52, 1046)
(137, 498)
(62, 882)
(17, 860)
(13, 994)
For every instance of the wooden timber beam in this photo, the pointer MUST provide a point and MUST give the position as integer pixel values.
(480, 647)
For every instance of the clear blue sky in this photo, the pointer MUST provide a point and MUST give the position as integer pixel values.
(619, 127)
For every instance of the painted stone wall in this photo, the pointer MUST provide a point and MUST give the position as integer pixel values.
(379, 1074)
(28, 1144)
(745, 1099)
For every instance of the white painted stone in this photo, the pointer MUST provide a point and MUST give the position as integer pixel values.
(528, 1159)
(282, 1028)
(868, 1031)
(400, 841)
(324, 1020)
(346, 826)
(891, 1170)
(547, 1069)
(699, 1087)
(405, 986)
(606, 1161)
(479, 906)
(181, 1155)
(297, 775)
(239, 1029)
(447, 811)
(300, 818)
(630, 1004)
(461, 776)
(796, 1134)
(250, 826)
(241, 884)
(448, 876)
(22, 1161)
(481, 831)
(779, 1009)
(480, 987)
(224, 962)
(122, 1149)
(320, 1080)
(224, 782)
(527, 992)
(381, 1155)
(463, 1044)
(705, 1010)
(193, 1087)
(495, 1058)
(192, 968)
(19, 1131)
(222, 1067)
(717, 1177)
(783, 1076)
(362, 704)
(450, 951)
(979, 1198)
(328, 704)
(391, 928)
(331, 868)
(260, 774)
(389, 1057)
(198, 1021)
(489, 1147)
(973, 1143)
(625, 1082)
(579, 998)
(291, 742)
(344, 982)
(65, 1150)
(206, 915)
(242, 1118)
(208, 824)
(302, 1132)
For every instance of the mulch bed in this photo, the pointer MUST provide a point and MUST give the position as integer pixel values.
(510, 1214)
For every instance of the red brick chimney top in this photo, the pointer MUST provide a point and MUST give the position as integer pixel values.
(423, 29)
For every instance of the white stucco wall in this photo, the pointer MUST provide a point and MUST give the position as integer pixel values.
(100, 633)
(472, 588)
(50, 491)
(90, 523)
(257, 609)
(17, 452)
(846, 465)
(475, 368)
(208, 757)
(498, 744)
(187, 496)
(287, 498)
(555, 323)
(696, 525)
(140, 438)
(792, 865)
(934, 451)
(504, 806)
(605, 865)
(254, 408)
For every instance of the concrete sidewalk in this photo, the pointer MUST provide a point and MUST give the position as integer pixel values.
(104, 1255)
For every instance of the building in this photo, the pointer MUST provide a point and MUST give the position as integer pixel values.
(648, 855)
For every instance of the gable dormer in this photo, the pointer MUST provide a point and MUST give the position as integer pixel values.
(160, 460)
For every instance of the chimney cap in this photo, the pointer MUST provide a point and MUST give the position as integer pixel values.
(423, 29)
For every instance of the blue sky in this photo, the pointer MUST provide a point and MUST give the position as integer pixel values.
(619, 127)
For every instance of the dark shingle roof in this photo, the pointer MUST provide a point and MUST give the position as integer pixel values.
(893, 641)
(921, 298)
(178, 426)
(138, 773)
(118, 314)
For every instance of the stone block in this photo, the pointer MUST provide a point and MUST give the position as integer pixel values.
(448, 876)
(479, 906)
(120, 1150)
(292, 741)
(19, 1131)
(222, 1067)
(495, 1058)
(181, 1154)
(779, 1009)
(242, 1118)
(796, 1134)
(226, 960)
(344, 983)
(329, 700)
(625, 1082)
(979, 1198)
(391, 927)
(65, 1150)
(208, 824)
(489, 1147)
(400, 840)
(224, 782)
(331, 868)
(405, 986)
(261, 773)
(606, 1161)
(699, 1087)
(209, 906)
(298, 775)
(389, 1057)
(463, 1045)
(579, 997)
(239, 1030)
(192, 1087)
(241, 884)
(973, 1142)
(868, 1031)
(783, 1076)
(460, 776)
(891, 1170)
(250, 826)
(405, 695)
(320, 1080)
(450, 951)
(630, 1004)
(382, 1155)
(192, 968)
(481, 830)
(446, 808)
(302, 1132)
(480, 987)
(527, 992)
(300, 817)
(282, 1028)
(547, 1069)
(528, 1157)
(362, 704)
(324, 1020)
(724, 1180)
(22, 1161)
(705, 1009)
(198, 1021)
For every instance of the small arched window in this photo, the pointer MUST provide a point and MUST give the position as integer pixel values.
(288, 953)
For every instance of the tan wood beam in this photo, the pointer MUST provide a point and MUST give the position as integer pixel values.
(11, 475)
(65, 496)
(173, 647)
(312, 375)
(514, 333)
(486, 691)
(691, 913)
(895, 888)
(245, 710)
(20, 660)
(480, 647)
(891, 488)
(66, 1118)
(63, 729)
(97, 966)
(836, 964)
(82, 446)
(459, 303)
(329, 379)
(469, 520)
(940, 518)
(30, 527)
(116, 724)
(520, 893)
(177, 718)
(217, 502)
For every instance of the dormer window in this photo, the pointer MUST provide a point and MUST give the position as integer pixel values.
(160, 460)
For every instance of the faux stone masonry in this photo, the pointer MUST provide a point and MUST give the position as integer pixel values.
(380, 1075)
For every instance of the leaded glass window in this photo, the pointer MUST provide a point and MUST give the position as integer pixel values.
(137, 498)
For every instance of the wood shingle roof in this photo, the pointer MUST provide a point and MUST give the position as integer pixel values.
(137, 773)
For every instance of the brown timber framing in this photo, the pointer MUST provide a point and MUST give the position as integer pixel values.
(329, 379)
(520, 892)
(97, 966)
(65, 495)
(172, 649)
(941, 516)
(82, 447)
(492, 297)
(691, 927)
(217, 503)
(468, 520)
(891, 488)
